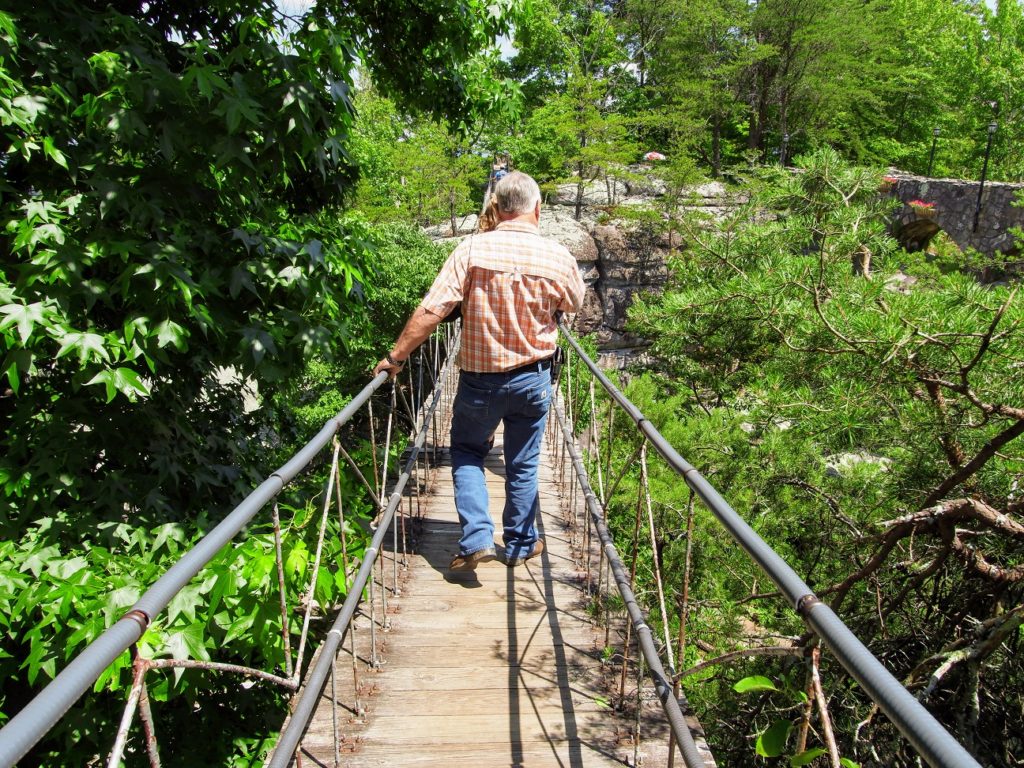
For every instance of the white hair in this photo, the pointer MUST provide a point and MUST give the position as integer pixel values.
(516, 193)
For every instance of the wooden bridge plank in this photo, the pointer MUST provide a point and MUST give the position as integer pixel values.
(497, 667)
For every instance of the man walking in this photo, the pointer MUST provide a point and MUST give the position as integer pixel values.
(511, 282)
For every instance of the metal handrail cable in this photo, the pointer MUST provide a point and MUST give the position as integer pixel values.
(932, 741)
(307, 702)
(38, 716)
(645, 638)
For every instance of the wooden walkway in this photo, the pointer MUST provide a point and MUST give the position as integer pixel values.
(501, 667)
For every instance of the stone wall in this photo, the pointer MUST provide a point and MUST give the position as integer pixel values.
(955, 202)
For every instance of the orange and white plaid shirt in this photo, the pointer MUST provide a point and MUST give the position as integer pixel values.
(511, 281)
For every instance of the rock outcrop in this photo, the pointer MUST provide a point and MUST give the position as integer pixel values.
(619, 259)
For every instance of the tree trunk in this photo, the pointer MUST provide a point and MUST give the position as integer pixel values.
(783, 131)
(862, 262)
(758, 119)
(579, 191)
(451, 211)
(716, 144)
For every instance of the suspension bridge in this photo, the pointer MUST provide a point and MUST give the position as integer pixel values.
(503, 665)
(556, 662)
(527, 666)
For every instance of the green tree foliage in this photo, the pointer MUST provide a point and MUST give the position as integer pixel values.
(167, 184)
(576, 67)
(872, 79)
(442, 177)
(171, 191)
(860, 408)
(424, 170)
(697, 69)
(56, 600)
(952, 66)
(57, 597)
(405, 263)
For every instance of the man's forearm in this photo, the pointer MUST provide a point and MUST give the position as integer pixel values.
(420, 325)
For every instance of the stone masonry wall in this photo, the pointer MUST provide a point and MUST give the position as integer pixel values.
(955, 203)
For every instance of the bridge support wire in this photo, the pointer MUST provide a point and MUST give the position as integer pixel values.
(933, 742)
(645, 640)
(29, 725)
(307, 701)
(26, 728)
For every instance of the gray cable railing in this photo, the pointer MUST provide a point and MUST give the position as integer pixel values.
(304, 707)
(668, 698)
(432, 370)
(927, 736)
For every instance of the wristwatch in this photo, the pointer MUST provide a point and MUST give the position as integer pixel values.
(392, 361)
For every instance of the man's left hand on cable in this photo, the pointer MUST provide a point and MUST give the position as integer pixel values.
(416, 331)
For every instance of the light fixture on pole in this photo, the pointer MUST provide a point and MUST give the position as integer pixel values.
(984, 171)
(931, 156)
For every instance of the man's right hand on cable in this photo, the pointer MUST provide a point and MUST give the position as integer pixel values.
(389, 364)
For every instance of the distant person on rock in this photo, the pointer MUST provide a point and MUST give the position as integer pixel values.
(500, 169)
(511, 283)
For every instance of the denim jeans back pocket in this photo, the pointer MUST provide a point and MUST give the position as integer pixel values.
(537, 398)
(473, 399)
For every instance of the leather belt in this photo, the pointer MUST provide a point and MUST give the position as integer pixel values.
(535, 367)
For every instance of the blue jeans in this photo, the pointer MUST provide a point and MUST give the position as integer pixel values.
(520, 400)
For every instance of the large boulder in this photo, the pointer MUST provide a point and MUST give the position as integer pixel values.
(631, 256)
(466, 225)
(573, 234)
(615, 301)
(611, 243)
(708, 193)
(594, 193)
(590, 318)
(644, 183)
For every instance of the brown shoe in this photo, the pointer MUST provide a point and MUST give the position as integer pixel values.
(538, 549)
(471, 561)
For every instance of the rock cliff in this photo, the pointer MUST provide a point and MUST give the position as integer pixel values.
(618, 258)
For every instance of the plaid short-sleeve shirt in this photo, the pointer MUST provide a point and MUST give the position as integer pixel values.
(511, 281)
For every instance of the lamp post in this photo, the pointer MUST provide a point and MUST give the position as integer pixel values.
(984, 171)
(931, 157)
(785, 146)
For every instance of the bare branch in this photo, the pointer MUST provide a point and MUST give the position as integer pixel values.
(217, 666)
(771, 650)
(987, 338)
(990, 636)
(974, 465)
(826, 721)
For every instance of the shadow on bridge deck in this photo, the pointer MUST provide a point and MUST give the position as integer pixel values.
(498, 667)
